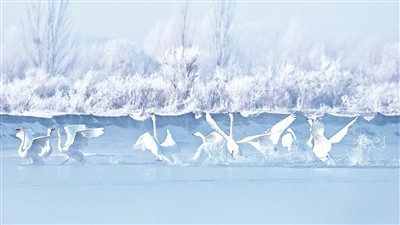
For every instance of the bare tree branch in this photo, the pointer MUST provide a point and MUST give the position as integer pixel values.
(47, 32)
(222, 38)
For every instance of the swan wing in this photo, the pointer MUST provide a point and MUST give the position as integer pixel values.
(215, 126)
(80, 141)
(38, 143)
(340, 135)
(169, 140)
(71, 131)
(287, 140)
(317, 129)
(233, 147)
(214, 138)
(146, 142)
(92, 132)
(198, 153)
(250, 138)
(276, 130)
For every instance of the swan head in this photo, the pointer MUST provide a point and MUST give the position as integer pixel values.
(51, 129)
(55, 128)
(230, 115)
(310, 121)
(20, 133)
(198, 134)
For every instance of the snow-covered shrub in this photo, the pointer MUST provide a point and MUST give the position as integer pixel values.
(179, 68)
(129, 94)
(27, 94)
(81, 92)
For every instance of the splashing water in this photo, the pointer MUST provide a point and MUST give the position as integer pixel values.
(368, 149)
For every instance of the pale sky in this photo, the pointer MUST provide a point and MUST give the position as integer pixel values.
(134, 20)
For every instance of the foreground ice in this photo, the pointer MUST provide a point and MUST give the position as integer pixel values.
(157, 193)
(119, 185)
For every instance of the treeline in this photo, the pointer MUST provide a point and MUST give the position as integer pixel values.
(185, 65)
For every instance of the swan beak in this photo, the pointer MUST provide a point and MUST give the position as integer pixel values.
(18, 129)
(53, 128)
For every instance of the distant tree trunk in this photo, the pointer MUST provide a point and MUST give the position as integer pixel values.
(47, 33)
(222, 38)
(184, 40)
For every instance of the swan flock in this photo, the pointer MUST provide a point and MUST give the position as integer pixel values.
(214, 145)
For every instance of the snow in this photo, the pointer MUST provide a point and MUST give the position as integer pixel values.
(120, 185)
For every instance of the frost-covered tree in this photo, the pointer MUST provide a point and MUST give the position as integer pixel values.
(173, 33)
(121, 57)
(13, 62)
(47, 32)
(184, 27)
(293, 43)
(179, 67)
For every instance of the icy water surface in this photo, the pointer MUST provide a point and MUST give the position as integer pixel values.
(158, 193)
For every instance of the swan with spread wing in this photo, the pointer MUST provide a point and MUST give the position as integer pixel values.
(231, 144)
(321, 146)
(77, 139)
(212, 146)
(150, 142)
(31, 147)
(268, 140)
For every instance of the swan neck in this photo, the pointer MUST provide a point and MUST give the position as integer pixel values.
(231, 125)
(59, 140)
(21, 147)
(202, 137)
(153, 118)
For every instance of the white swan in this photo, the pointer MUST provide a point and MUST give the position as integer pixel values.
(47, 149)
(231, 144)
(269, 139)
(310, 142)
(150, 142)
(31, 146)
(211, 145)
(77, 139)
(288, 139)
(322, 146)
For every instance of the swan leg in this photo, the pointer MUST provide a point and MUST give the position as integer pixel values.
(66, 160)
(37, 160)
(78, 156)
(81, 158)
